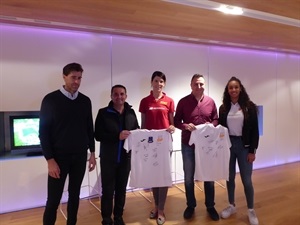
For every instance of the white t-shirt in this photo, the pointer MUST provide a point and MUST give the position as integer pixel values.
(150, 158)
(211, 152)
(235, 120)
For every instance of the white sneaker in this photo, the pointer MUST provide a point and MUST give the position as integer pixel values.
(228, 211)
(252, 217)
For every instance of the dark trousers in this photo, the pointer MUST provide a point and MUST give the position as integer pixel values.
(74, 166)
(114, 178)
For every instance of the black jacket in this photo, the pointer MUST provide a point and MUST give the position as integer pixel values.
(250, 133)
(108, 125)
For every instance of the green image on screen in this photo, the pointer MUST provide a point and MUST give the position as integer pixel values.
(26, 132)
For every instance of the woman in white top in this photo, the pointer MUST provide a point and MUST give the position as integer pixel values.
(239, 114)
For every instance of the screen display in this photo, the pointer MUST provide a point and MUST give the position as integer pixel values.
(25, 132)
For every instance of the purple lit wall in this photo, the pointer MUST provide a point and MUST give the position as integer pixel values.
(31, 60)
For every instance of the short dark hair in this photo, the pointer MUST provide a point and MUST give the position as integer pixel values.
(196, 76)
(72, 67)
(158, 74)
(118, 86)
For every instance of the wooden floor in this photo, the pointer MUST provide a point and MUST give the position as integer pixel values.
(277, 202)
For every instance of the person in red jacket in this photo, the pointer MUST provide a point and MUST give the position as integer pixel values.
(157, 111)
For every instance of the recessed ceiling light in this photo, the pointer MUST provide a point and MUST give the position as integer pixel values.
(228, 9)
(212, 5)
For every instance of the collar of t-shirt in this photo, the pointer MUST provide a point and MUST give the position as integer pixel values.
(68, 94)
(163, 95)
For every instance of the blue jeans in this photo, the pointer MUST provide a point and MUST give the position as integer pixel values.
(239, 153)
(188, 157)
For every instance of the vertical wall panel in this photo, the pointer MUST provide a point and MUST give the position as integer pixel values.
(287, 109)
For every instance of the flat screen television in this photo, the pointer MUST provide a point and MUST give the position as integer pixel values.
(22, 132)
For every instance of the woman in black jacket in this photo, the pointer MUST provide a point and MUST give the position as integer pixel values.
(239, 114)
(112, 127)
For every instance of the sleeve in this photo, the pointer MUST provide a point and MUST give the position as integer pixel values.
(136, 123)
(178, 118)
(91, 128)
(170, 141)
(254, 132)
(104, 131)
(172, 106)
(127, 143)
(222, 116)
(142, 107)
(227, 137)
(214, 115)
(45, 127)
(192, 138)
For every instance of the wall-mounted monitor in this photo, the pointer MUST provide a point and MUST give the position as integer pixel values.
(21, 132)
(24, 132)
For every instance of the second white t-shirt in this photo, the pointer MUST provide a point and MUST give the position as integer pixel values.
(211, 152)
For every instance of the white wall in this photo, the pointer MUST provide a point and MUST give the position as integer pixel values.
(31, 62)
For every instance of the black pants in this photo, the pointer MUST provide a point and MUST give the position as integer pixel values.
(114, 178)
(74, 166)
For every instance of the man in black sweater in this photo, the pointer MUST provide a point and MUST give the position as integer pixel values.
(66, 133)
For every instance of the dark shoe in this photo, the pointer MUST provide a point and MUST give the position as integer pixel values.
(153, 214)
(188, 213)
(119, 221)
(213, 213)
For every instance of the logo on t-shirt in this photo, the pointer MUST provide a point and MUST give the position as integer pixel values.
(150, 139)
(159, 138)
(156, 108)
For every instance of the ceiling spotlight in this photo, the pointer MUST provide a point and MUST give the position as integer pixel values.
(228, 9)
